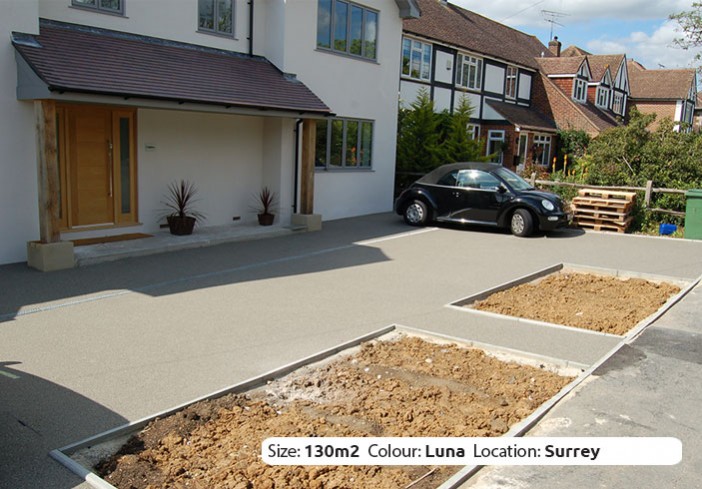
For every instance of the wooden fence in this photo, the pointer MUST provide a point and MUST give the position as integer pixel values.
(648, 191)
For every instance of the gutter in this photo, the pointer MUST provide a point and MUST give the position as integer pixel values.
(296, 170)
(251, 27)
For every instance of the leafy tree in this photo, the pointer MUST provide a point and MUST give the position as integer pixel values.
(458, 145)
(573, 143)
(690, 22)
(419, 136)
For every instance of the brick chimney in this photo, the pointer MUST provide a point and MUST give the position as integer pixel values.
(555, 46)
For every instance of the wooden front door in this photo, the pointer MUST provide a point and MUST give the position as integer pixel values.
(91, 181)
(97, 166)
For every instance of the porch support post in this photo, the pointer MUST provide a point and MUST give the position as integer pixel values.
(307, 167)
(49, 253)
(47, 160)
(307, 219)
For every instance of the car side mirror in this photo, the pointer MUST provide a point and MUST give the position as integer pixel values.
(502, 189)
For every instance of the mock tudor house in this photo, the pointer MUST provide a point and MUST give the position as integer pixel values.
(103, 103)
(666, 93)
(582, 91)
(452, 53)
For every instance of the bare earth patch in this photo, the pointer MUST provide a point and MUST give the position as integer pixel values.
(582, 300)
(408, 387)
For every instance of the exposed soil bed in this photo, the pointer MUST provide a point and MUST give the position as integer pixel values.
(408, 387)
(582, 300)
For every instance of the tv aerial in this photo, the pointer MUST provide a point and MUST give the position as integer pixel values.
(550, 16)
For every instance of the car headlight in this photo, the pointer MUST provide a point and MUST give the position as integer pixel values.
(548, 205)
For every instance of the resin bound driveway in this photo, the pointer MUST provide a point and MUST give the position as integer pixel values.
(85, 350)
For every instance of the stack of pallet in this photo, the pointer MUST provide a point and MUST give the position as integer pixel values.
(603, 210)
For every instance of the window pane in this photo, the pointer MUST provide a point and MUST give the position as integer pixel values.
(341, 14)
(206, 14)
(86, 3)
(324, 23)
(426, 66)
(224, 16)
(351, 143)
(416, 63)
(125, 166)
(478, 74)
(366, 143)
(113, 5)
(356, 29)
(406, 53)
(370, 35)
(320, 152)
(337, 143)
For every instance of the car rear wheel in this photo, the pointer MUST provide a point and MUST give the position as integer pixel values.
(416, 213)
(522, 223)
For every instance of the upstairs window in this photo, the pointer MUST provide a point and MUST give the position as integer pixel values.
(347, 28)
(579, 90)
(105, 6)
(469, 72)
(618, 104)
(511, 82)
(603, 97)
(216, 17)
(416, 59)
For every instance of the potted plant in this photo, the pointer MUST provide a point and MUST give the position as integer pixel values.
(181, 215)
(266, 203)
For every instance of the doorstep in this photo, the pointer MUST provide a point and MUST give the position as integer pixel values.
(162, 241)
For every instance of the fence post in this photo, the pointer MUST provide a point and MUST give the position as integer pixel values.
(533, 179)
(649, 191)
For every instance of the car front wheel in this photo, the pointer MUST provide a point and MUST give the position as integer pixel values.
(416, 213)
(522, 223)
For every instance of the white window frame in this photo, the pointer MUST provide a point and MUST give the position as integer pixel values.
(98, 7)
(474, 78)
(473, 131)
(618, 103)
(215, 15)
(511, 75)
(424, 64)
(579, 90)
(603, 96)
(495, 136)
(545, 141)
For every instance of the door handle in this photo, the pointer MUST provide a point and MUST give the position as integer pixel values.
(110, 165)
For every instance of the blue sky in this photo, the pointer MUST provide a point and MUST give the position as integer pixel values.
(638, 28)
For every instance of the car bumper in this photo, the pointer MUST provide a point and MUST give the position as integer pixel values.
(554, 221)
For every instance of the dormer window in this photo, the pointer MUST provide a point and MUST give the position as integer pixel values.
(602, 99)
(579, 90)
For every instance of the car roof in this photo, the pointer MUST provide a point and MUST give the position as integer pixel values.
(434, 175)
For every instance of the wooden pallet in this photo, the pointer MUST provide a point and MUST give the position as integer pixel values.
(603, 224)
(603, 210)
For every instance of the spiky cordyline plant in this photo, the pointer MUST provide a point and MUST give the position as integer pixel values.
(180, 200)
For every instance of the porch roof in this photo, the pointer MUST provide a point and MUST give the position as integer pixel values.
(524, 117)
(82, 59)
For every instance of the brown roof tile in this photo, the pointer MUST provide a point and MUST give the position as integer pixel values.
(660, 84)
(462, 28)
(573, 51)
(525, 117)
(74, 58)
(560, 66)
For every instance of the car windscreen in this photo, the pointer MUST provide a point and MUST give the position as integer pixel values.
(513, 180)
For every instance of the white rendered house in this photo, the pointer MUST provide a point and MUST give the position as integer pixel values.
(103, 103)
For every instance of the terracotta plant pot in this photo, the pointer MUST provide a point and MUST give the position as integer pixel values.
(266, 219)
(181, 226)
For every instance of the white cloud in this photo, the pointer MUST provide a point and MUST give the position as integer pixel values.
(520, 15)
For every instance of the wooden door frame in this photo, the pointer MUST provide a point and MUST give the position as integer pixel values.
(65, 220)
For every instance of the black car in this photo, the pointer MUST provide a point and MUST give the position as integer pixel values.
(480, 193)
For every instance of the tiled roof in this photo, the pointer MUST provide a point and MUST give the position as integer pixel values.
(660, 84)
(525, 117)
(74, 58)
(600, 62)
(573, 51)
(462, 28)
(560, 66)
